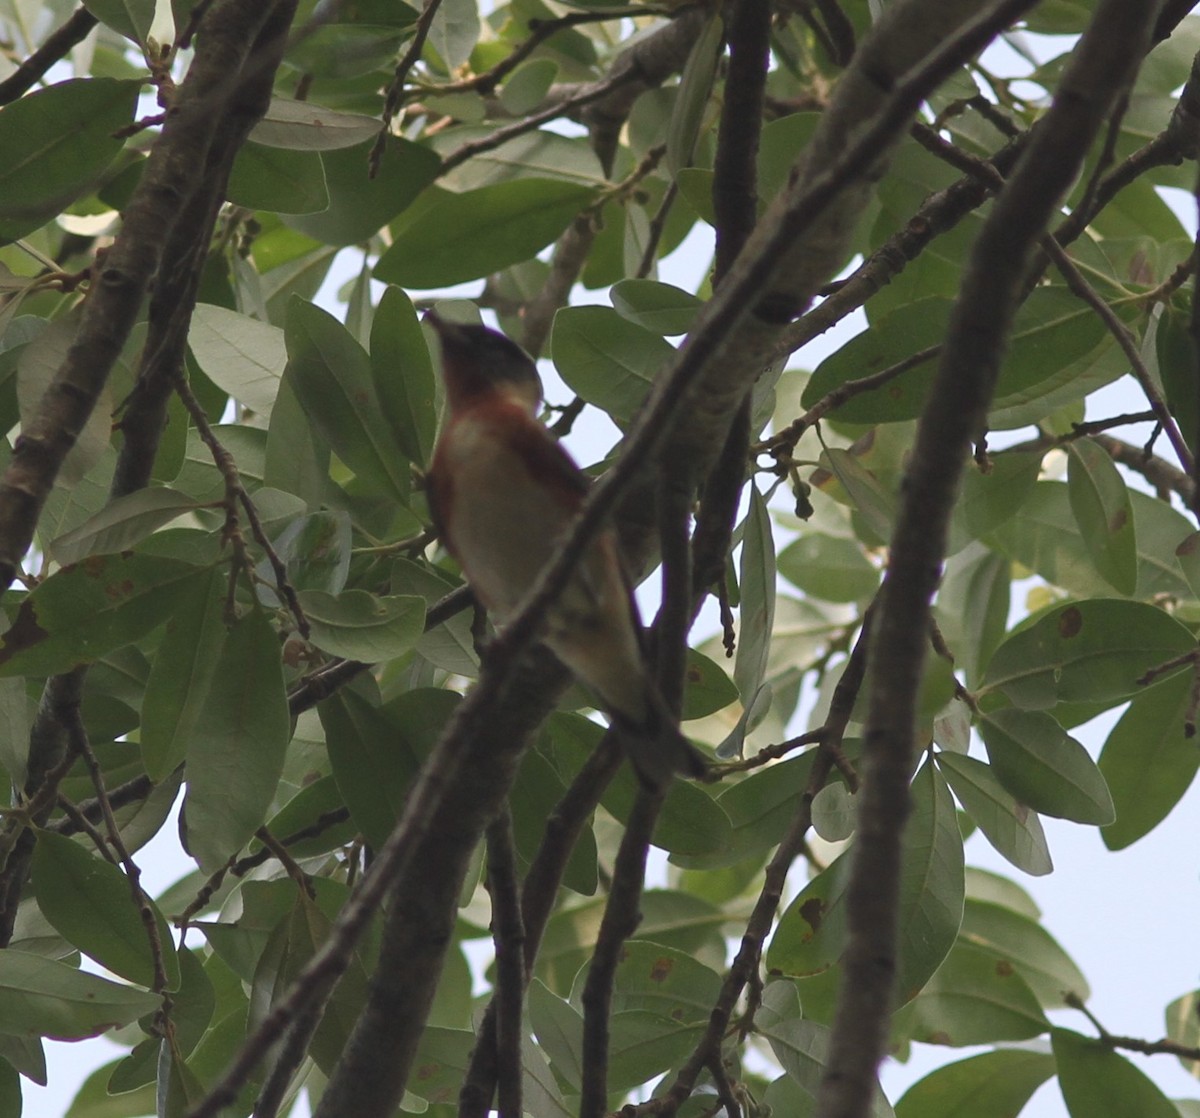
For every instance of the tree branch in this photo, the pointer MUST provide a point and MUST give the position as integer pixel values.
(1102, 66)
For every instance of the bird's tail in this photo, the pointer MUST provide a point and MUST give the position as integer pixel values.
(656, 746)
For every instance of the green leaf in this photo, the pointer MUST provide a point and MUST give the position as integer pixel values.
(344, 50)
(863, 490)
(802, 1046)
(660, 980)
(376, 752)
(1012, 828)
(237, 748)
(659, 307)
(84, 612)
(606, 359)
(10, 1091)
(1149, 761)
(276, 179)
(88, 901)
(402, 372)
(451, 238)
(93, 1100)
(707, 687)
(1183, 1027)
(991, 1085)
(358, 625)
(810, 937)
(41, 997)
(643, 1045)
(123, 522)
(1044, 767)
(972, 605)
(359, 205)
(316, 552)
(1100, 502)
(331, 374)
(181, 674)
(528, 85)
(975, 999)
(990, 499)
(757, 584)
(131, 18)
(558, 1027)
(1043, 536)
(1090, 651)
(1053, 330)
(1098, 1083)
(455, 32)
(1045, 966)
(829, 567)
(695, 88)
(59, 140)
(307, 126)
(534, 155)
(243, 356)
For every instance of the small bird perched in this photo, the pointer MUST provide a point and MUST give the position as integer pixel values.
(503, 493)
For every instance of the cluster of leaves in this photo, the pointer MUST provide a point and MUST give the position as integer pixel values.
(217, 622)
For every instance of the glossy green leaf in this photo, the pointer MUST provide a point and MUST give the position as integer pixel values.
(991, 1085)
(131, 18)
(1098, 1083)
(123, 522)
(307, 126)
(1148, 760)
(451, 238)
(88, 901)
(42, 997)
(236, 751)
(83, 612)
(276, 179)
(331, 374)
(357, 625)
(59, 140)
(1044, 767)
(1100, 502)
(243, 356)
(1045, 966)
(655, 306)
(975, 998)
(360, 205)
(402, 372)
(606, 359)
(830, 567)
(1084, 652)
(315, 549)
(1011, 827)
(182, 673)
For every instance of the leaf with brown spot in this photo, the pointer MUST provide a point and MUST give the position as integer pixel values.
(87, 611)
(1088, 651)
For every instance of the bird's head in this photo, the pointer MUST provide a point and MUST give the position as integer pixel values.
(478, 362)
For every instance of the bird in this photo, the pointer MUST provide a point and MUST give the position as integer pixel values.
(503, 493)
